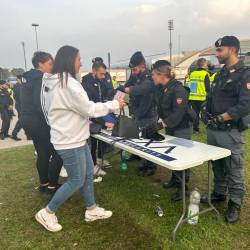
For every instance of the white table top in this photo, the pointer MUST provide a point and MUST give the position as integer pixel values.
(173, 153)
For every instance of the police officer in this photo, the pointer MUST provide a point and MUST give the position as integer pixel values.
(142, 106)
(199, 84)
(98, 90)
(173, 108)
(6, 109)
(225, 114)
(16, 94)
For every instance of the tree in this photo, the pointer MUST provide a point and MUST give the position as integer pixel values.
(4, 74)
(17, 71)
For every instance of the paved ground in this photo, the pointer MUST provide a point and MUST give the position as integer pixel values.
(9, 143)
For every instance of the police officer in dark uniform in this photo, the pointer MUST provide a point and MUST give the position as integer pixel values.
(142, 106)
(6, 109)
(226, 116)
(173, 106)
(17, 95)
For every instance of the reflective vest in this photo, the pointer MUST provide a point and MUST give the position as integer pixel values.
(10, 91)
(114, 83)
(196, 83)
(212, 77)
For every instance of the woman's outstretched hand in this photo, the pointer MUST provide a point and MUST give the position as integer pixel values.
(121, 102)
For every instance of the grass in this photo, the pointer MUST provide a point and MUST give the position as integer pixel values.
(133, 225)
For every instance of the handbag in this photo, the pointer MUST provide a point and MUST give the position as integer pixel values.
(125, 127)
(95, 128)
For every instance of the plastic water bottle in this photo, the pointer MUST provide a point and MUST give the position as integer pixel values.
(159, 211)
(124, 165)
(193, 207)
(125, 155)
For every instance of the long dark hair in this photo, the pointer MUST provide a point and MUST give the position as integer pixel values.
(65, 63)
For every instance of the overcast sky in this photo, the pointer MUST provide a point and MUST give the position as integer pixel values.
(119, 26)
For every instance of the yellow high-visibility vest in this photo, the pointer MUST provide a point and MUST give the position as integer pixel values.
(212, 77)
(114, 82)
(10, 91)
(196, 83)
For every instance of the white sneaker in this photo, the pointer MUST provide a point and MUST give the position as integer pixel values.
(63, 172)
(97, 213)
(105, 163)
(98, 171)
(48, 220)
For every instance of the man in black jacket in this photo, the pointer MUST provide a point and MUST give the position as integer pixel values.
(6, 109)
(173, 108)
(49, 163)
(142, 106)
(98, 90)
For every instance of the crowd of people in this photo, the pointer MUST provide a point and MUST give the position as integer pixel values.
(57, 111)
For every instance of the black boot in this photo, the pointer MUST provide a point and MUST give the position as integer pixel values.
(178, 195)
(52, 190)
(2, 137)
(14, 137)
(43, 189)
(171, 183)
(232, 213)
(215, 197)
(147, 171)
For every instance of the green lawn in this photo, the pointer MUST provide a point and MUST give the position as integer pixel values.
(133, 225)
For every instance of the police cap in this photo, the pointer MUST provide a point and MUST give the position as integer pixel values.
(228, 41)
(136, 59)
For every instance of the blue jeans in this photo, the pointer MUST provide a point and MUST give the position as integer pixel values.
(79, 165)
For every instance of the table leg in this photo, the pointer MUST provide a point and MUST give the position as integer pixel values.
(183, 186)
(102, 153)
(211, 206)
(210, 188)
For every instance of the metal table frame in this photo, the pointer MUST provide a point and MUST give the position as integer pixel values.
(183, 218)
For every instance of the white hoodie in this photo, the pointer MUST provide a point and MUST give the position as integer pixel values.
(67, 111)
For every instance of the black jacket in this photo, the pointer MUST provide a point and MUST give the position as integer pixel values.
(142, 96)
(5, 100)
(97, 91)
(230, 92)
(173, 105)
(17, 96)
(89, 83)
(31, 110)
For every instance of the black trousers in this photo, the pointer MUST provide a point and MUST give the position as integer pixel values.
(197, 108)
(48, 163)
(18, 125)
(6, 118)
(185, 133)
(98, 146)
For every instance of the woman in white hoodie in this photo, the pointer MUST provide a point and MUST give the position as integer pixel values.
(67, 109)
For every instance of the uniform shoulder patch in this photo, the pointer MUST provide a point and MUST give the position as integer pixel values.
(179, 101)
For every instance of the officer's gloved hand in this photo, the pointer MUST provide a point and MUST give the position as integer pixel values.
(148, 131)
(206, 117)
(151, 132)
(120, 88)
(215, 122)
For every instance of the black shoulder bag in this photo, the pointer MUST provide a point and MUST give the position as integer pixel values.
(125, 127)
